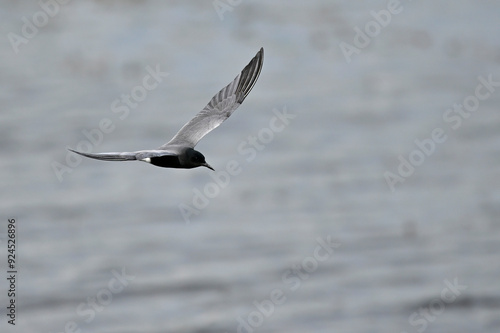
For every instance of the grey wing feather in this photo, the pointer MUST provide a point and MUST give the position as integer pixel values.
(109, 156)
(220, 107)
(126, 156)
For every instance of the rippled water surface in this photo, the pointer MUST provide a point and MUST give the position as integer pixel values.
(367, 190)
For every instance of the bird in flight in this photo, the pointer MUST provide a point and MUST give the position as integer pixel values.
(179, 151)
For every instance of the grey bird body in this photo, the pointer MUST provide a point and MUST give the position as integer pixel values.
(179, 151)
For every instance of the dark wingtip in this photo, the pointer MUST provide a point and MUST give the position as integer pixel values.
(250, 74)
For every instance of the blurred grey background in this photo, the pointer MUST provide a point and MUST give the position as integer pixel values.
(309, 235)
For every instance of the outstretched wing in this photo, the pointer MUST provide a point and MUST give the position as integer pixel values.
(222, 105)
(108, 156)
(126, 156)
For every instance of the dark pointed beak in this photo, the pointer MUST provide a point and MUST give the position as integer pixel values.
(208, 166)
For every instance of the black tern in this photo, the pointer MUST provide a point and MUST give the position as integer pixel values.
(179, 152)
